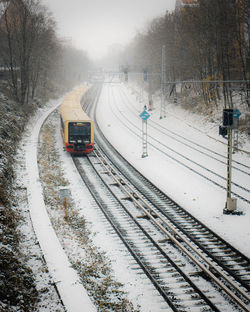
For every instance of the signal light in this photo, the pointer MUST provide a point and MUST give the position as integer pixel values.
(222, 131)
(228, 117)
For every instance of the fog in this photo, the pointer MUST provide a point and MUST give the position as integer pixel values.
(96, 25)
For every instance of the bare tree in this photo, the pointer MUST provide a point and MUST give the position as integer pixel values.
(45, 52)
(29, 36)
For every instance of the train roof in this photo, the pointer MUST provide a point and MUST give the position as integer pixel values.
(71, 109)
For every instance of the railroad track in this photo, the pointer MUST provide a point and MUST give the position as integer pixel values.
(200, 148)
(191, 267)
(184, 276)
(239, 190)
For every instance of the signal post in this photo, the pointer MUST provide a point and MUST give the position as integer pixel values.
(229, 115)
(144, 116)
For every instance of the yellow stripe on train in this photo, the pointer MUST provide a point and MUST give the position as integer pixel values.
(77, 128)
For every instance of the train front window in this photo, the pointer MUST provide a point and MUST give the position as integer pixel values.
(79, 132)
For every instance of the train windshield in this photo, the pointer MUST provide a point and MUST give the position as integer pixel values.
(79, 131)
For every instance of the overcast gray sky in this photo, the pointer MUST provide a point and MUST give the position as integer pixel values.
(94, 25)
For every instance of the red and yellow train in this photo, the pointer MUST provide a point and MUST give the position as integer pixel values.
(77, 128)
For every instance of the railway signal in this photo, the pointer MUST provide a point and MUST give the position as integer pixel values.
(227, 129)
(144, 116)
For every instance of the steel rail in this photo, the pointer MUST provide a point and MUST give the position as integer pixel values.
(175, 215)
(185, 165)
(150, 122)
(126, 243)
(178, 211)
(149, 211)
(152, 214)
(189, 159)
(156, 284)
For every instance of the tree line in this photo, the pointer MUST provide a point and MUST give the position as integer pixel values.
(37, 61)
(206, 41)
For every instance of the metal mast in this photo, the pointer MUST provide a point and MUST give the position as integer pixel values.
(144, 139)
(163, 83)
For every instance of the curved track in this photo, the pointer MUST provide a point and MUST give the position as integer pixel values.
(199, 165)
(192, 268)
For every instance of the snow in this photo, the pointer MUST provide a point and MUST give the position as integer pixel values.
(73, 295)
(139, 289)
(118, 113)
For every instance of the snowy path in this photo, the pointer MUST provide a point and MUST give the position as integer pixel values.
(72, 293)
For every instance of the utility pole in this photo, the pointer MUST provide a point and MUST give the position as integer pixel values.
(163, 83)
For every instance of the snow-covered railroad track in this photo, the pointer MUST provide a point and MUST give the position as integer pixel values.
(185, 141)
(166, 264)
(216, 177)
(141, 240)
(220, 251)
(231, 262)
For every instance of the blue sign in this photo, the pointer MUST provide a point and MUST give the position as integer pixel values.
(236, 113)
(144, 115)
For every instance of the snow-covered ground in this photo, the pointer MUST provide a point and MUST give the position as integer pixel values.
(118, 112)
(73, 294)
